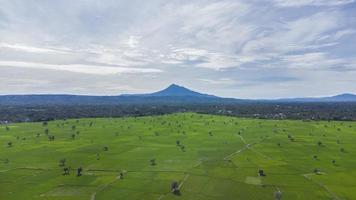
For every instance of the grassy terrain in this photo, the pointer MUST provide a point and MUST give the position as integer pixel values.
(211, 157)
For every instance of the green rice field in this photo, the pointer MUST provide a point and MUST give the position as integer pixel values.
(210, 157)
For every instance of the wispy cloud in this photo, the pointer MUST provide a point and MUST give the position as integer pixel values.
(79, 68)
(30, 49)
(292, 3)
(220, 81)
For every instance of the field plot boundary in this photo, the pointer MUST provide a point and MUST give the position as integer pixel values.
(102, 188)
(324, 187)
(246, 147)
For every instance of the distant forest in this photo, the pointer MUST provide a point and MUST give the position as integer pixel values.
(262, 110)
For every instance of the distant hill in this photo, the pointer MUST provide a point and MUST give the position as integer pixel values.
(174, 94)
(338, 98)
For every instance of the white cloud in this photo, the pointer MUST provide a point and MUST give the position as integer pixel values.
(31, 49)
(292, 3)
(133, 41)
(315, 60)
(300, 34)
(79, 68)
(220, 81)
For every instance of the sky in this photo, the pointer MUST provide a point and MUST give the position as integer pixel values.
(229, 48)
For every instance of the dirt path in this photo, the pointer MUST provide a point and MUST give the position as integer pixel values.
(184, 179)
(243, 139)
(332, 194)
(261, 154)
(7, 170)
(198, 164)
(93, 196)
(247, 146)
(228, 157)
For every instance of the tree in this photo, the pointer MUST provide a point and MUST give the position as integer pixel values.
(73, 136)
(317, 171)
(62, 162)
(121, 175)
(153, 162)
(51, 137)
(320, 143)
(66, 171)
(175, 188)
(278, 195)
(79, 171)
(106, 148)
(178, 143)
(261, 172)
(9, 144)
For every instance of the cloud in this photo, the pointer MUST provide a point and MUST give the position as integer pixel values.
(190, 42)
(79, 68)
(293, 3)
(133, 41)
(220, 81)
(318, 61)
(31, 49)
(300, 34)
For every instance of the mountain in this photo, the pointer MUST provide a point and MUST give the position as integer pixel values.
(342, 97)
(174, 94)
(175, 91)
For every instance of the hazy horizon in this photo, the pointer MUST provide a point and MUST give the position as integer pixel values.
(230, 48)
